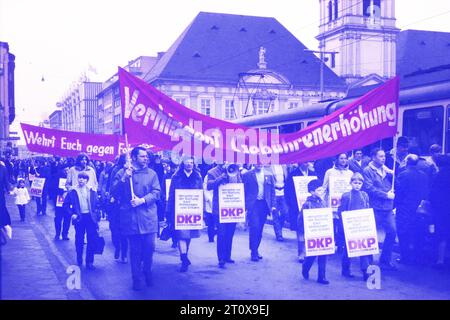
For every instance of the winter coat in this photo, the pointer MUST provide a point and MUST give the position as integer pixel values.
(377, 187)
(22, 196)
(440, 199)
(142, 219)
(72, 204)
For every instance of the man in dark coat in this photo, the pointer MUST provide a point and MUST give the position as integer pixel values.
(260, 202)
(4, 188)
(411, 187)
(217, 177)
(138, 212)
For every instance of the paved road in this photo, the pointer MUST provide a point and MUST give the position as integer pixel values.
(33, 266)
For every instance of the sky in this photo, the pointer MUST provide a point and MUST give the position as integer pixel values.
(57, 40)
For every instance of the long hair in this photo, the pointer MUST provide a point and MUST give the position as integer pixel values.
(79, 158)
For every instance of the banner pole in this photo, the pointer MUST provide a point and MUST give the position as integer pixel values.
(129, 166)
(395, 160)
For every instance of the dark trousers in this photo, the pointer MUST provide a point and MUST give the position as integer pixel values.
(120, 243)
(364, 262)
(385, 218)
(279, 216)
(41, 204)
(225, 233)
(142, 247)
(62, 219)
(21, 211)
(85, 226)
(322, 262)
(257, 217)
(212, 224)
(411, 239)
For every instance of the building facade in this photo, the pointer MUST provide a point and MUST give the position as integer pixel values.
(363, 34)
(7, 101)
(55, 120)
(108, 99)
(79, 107)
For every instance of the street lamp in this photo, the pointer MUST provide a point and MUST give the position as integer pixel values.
(322, 62)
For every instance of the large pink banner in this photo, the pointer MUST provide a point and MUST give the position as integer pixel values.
(152, 117)
(70, 144)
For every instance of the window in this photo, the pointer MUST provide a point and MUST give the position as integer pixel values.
(293, 105)
(371, 7)
(229, 110)
(336, 9)
(262, 107)
(424, 127)
(330, 11)
(205, 106)
(181, 101)
(290, 128)
(117, 122)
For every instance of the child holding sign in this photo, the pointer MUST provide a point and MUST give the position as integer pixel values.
(356, 199)
(22, 198)
(315, 201)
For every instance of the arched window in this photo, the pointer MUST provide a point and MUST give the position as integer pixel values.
(330, 11)
(368, 10)
(336, 9)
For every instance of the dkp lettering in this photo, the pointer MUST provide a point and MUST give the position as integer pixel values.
(231, 212)
(188, 218)
(319, 243)
(360, 244)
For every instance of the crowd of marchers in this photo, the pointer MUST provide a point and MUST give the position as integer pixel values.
(409, 195)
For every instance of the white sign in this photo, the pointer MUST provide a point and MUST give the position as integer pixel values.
(37, 187)
(188, 209)
(301, 189)
(360, 232)
(319, 233)
(60, 199)
(31, 177)
(338, 185)
(62, 183)
(168, 181)
(231, 203)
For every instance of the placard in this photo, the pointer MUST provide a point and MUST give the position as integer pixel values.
(60, 199)
(231, 203)
(360, 232)
(319, 234)
(301, 189)
(62, 183)
(188, 209)
(338, 185)
(37, 187)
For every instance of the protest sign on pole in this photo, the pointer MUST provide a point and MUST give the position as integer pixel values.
(231, 203)
(60, 199)
(168, 181)
(188, 209)
(301, 189)
(319, 233)
(360, 232)
(37, 187)
(338, 185)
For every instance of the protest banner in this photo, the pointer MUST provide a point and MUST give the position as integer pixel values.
(301, 189)
(150, 115)
(231, 203)
(360, 232)
(37, 187)
(31, 177)
(338, 185)
(188, 209)
(319, 233)
(62, 183)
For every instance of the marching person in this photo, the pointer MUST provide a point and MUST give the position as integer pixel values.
(279, 216)
(62, 218)
(81, 165)
(315, 201)
(186, 177)
(208, 210)
(358, 161)
(22, 197)
(378, 185)
(260, 202)
(218, 176)
(302, 170)
(355, 199)
(138, 212)
(81, 203)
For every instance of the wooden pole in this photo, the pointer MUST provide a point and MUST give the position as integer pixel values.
(128, 163)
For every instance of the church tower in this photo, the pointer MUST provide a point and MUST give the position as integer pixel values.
(363, 33)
